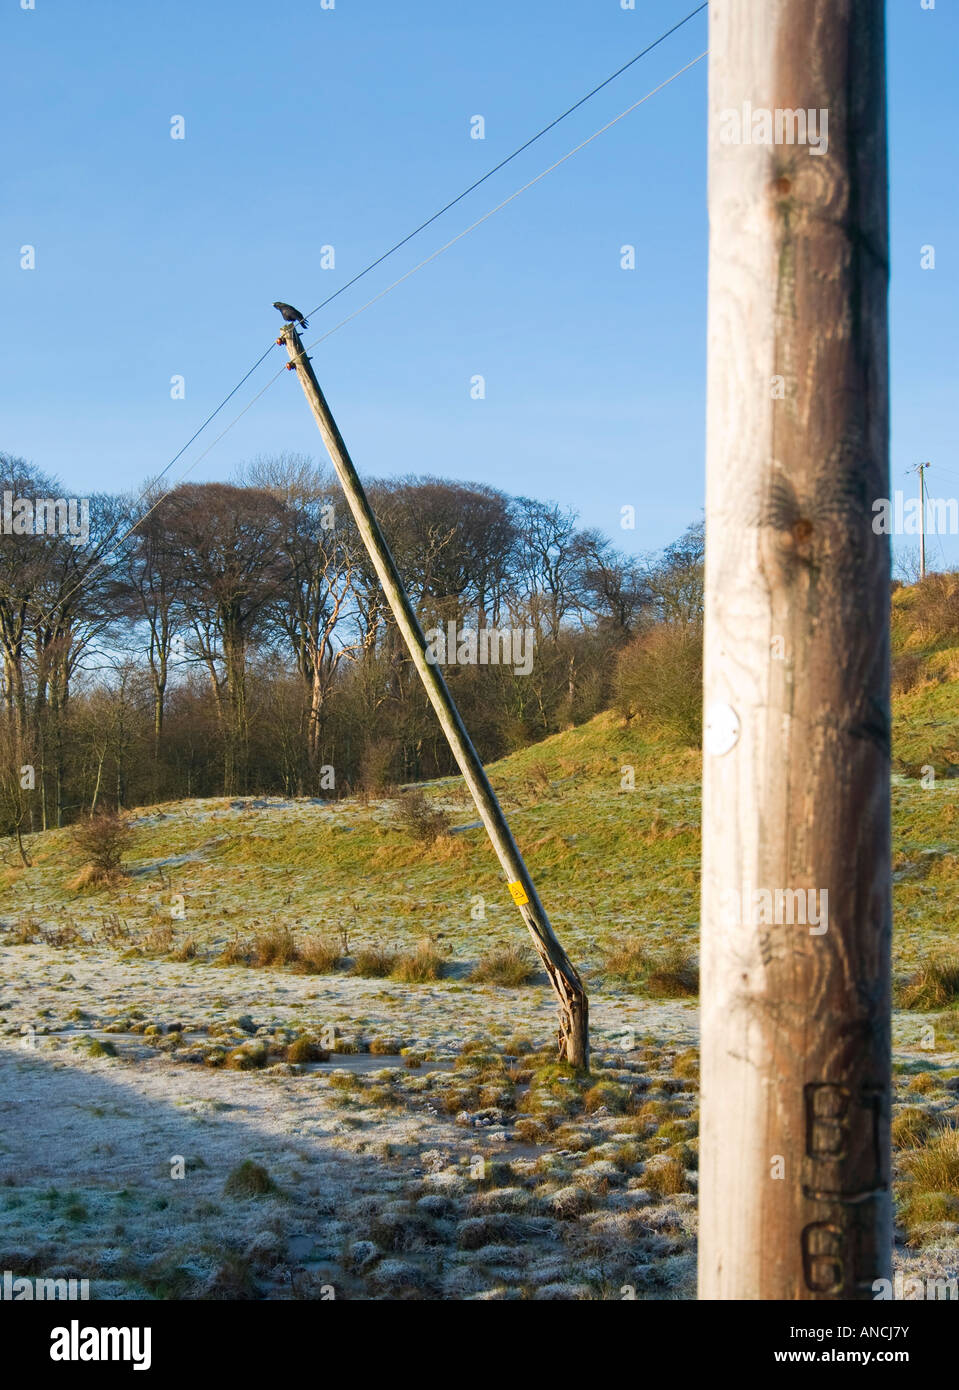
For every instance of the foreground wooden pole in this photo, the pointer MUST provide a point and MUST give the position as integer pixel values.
(573, 1005)
(794, 1186)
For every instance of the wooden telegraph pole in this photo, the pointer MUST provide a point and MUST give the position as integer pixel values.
(921, 470)
(573, 1005)
(795, 1164)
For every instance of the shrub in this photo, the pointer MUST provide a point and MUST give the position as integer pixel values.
(504, 965)
(539, 775)
(103, 839)
(422, 821)
(377, 767)
(908, 668)
(659, 679)
(935, 607)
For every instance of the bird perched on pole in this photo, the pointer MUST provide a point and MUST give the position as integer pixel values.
(290, 314)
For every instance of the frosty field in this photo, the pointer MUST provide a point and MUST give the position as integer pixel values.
(195, 1106)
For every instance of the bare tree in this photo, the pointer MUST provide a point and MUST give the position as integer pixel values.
(315, 606)
(231, 542)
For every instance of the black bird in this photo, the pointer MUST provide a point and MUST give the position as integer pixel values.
(289, 313)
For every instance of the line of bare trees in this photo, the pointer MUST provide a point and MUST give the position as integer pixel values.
(234, 638)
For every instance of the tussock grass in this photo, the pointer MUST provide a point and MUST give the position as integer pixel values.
(666, 1176)
(935, 985)
(505, 965)
(686, 1064)
(628, 962)
(911, 1127)
(606, 1095)
(25, 932)
(306, 1050)
(247, 1057)
(317, 957)
(669, 974)
(423, 964)
(93, 878)
(674, 974)
(158, 941)
(373, 963)
(276, 946)
(930, 1193)
(935, 1166)
(235, 952)
(249, 1179)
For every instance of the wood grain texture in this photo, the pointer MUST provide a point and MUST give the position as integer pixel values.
(796, 1049)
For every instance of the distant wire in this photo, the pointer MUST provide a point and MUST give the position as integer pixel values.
(215, 413)
(430, 220)
(432, 257)
(108, 540)
(509, 158)
(505, 203)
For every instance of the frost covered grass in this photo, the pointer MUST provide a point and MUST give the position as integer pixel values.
(311, 989)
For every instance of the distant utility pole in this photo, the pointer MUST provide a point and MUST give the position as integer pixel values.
(921, 469)
(567, 985)
(796, 897)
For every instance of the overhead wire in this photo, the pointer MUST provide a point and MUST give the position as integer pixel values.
(110, 539)
(436, 215)
(509, 158)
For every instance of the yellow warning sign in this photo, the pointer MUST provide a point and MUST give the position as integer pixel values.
(518, 893)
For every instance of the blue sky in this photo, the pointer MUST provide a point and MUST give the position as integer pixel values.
(308, 127)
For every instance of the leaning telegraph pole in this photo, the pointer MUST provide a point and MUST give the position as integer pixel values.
(567, 985)
(796, 901)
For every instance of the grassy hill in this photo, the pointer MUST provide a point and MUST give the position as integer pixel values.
(252, 994)
(607, 859)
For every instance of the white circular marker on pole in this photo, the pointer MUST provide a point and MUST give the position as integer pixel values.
(720, 729)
